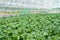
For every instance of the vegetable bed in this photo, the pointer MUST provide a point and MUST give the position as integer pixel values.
(30, 27)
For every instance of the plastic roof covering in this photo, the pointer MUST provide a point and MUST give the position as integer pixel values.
(30, 3)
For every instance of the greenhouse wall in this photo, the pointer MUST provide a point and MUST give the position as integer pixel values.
(13, 5)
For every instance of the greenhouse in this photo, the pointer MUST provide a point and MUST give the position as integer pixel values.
(29, 19)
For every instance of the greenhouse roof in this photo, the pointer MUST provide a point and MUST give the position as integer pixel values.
(30, 3)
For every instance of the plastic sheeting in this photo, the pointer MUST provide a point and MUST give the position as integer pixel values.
(31, 3)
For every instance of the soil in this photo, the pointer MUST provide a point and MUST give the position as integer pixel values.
(6, 14)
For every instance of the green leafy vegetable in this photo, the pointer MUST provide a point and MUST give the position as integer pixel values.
(30, 27)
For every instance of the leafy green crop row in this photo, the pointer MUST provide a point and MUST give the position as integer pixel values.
(30, 27)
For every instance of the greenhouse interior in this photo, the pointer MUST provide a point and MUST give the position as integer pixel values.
(29, 19)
